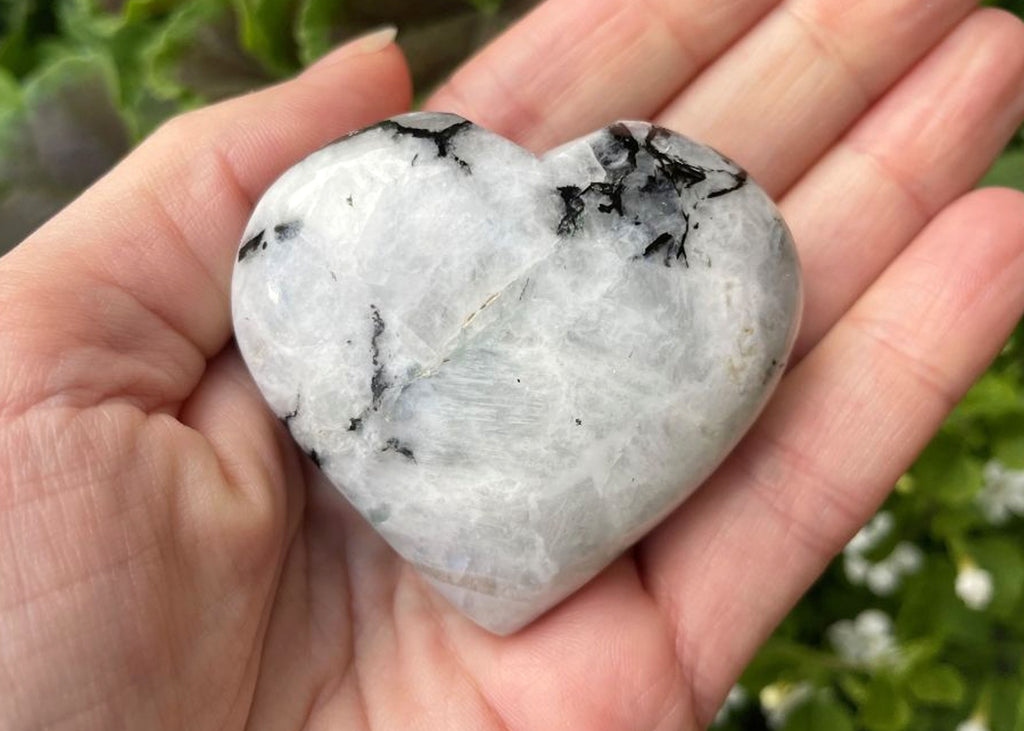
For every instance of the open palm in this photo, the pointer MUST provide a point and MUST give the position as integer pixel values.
(167, 558)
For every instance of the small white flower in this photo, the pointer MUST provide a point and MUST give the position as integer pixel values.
(874, 623)
(845, 639)
(907, 557)
(872, 534)
(736, 699)
(974, 586)
(975, 723)
(856, 568)
(1002, 494)
(883, 579)
(867, 641)
(780, 699)
(994, 471)
(737, 696)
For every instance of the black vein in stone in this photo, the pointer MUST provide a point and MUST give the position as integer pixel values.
(661, 245)
(685, 234)
(394, 445)
(572, 199)
(252, 246)
(285, 231)
(442, 138)
(613, 191)
(575, 205)
(665, 178)
(668, 246)
(741, 180)
(671, 174)
(627, 141)
(282, 232)
(287, 418)
(378, 383)
(679, 173)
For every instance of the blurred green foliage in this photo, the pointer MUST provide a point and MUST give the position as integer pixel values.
(942, 650)
(83, 80)
(918, 625)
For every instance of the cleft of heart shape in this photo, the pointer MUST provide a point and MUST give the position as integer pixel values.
(514, 367)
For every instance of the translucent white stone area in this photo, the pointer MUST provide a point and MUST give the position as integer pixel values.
(515, 367)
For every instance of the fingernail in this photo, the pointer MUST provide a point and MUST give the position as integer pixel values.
(375, 40)
(364, 45)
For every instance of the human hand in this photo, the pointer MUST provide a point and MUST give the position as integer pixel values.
(170, 561)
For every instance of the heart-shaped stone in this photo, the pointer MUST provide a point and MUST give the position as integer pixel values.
(512, 366)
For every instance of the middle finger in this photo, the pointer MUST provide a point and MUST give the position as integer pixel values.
(570, 66)
(778, 98)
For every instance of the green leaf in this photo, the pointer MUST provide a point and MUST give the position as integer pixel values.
(488, 7)
(885, 709)
(781, 659)
(993, 395)
(267, 33)
(1019, 722)
(318, 27)
(1008, 441)
(197, 57)
(1008, 170)
(10, 93)
(920, 651)
(952, 524)
(86, 24)
(1006, 709)
(135, 11)
(928, 605)
(937, 684)
(65, 132)
(818, 714)
(15, 52)
(1004, 559)
(853, 687)
(947, 471)
(122, 36)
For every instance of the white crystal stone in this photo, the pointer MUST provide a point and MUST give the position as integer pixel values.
(512, 366)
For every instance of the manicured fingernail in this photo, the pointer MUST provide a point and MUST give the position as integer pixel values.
(364, 45)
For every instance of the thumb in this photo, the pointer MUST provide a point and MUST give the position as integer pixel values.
(125, 292)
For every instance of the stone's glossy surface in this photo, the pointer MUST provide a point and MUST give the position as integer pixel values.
(514, 367)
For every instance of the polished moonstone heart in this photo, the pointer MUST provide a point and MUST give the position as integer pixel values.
(512, 366)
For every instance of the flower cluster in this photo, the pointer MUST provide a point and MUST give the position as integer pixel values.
(882, 577)
(1002, 494)
(867, 641)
